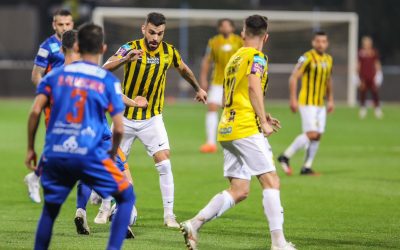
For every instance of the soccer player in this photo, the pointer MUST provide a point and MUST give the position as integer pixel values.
(219, 50)
(80, 94)
(315, 70)
(145, 66)
(49, 57)
(370, 74)
(241, 132)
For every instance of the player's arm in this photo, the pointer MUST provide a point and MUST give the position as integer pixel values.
(122, 57)
(188, 75)
(293, 79)
(33, 123)
(257, 101)
(139, 101)
(329, 94)
(205, 69)
(379, 75)
(37, 74)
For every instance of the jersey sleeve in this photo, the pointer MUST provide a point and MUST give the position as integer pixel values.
(42, 56)
(176, 58)
(123, 50)
(114, 94)
(257, 65)
(303, 62)
(44, 87)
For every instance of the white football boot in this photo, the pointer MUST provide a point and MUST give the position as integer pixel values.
(189, 234)
(81, 222)
(170, 221)
(32, 181)
(104, 213)
(287, 246)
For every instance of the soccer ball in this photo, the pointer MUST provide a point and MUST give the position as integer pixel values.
(133, 218)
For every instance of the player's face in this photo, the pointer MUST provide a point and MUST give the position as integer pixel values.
(367, 43)
(320, 43)
(226, 28)
(62, 24)
(153, 35)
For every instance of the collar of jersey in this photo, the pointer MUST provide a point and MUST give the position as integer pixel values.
(145, 49)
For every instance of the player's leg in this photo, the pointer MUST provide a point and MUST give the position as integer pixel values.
(108, 180)
(309, 123)
(363, 96)
(58, 179)
(82, 198)
(375, 97)
(214, 102)
(154, 137)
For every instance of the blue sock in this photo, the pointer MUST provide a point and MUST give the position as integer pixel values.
(45, 225)
(83, 195)
(125, 200)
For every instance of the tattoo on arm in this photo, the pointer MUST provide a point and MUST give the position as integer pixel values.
(188, 75)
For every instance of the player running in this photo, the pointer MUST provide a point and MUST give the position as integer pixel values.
(241, 132)
(371, 77)
(80, 93)
(219, 50)
(146, 76)
(48, 57)
(315, 70)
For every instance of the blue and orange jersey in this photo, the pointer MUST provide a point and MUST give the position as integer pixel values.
(50, 55)
(80, 94)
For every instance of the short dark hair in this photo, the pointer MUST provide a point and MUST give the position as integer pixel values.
(90, 39)
(222, 20)
(62, 12)
(256, 25)
(68, 39)
(319, 33)
(156, 19)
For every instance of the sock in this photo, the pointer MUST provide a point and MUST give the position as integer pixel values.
(45, 225)
(218, 205)
(211, 126)
(166, 186)
(106, 203)
(125, 200)
(300, 142)
(274, 213)
(311, 152)
(82, 195)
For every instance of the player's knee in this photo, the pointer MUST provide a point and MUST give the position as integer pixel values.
(313, 136)
(240, 194)
(161, 156)
(164, 167)
(212, 107)
(52, 209)
(127, 195)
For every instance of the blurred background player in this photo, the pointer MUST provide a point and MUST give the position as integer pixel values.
(219, 50)
(80, 93)
(370, 74)
(315, 69)
(49, 57)
(241, 133)
(146, 62)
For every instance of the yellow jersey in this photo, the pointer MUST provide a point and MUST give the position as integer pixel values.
(147, 76)
(220, 50)
(238, 119)
(316, 69)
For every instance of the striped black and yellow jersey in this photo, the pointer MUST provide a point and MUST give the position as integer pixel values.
(147, 76)
(219, 50)
(239, 119)
(317, 70)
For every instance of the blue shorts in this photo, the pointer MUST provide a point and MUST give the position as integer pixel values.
(59, 176)
(120, 161)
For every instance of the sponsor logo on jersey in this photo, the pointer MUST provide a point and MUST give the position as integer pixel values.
(43, 53)
(70, 146)
(225, 131)
(226, 47)
(117, 86)
(153, 60)
(89, 132)
(54, 47)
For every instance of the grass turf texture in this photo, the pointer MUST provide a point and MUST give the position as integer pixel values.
(354, 204)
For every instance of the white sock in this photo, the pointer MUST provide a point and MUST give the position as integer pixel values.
(166, 186)
(311, 152)
(106, 203)
(211, 126)
(218, 205)
(274, 213)
(300, 142)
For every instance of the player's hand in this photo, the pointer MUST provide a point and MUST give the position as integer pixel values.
(294, 105)
(201, 96)
(273, 122)
(31, 159)
(331, 106)
(140, 101)
(267, 129)
(132, 55)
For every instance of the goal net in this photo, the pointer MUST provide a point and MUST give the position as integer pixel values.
(290, 35)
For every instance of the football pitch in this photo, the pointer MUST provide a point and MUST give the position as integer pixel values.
(354, 204)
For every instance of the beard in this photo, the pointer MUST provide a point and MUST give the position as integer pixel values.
(153, 45)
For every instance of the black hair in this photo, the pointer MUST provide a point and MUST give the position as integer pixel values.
(68, 39)
(222, 20)
(90, 39)
(156, 19)
(62, 12)
(256, 25)
(320, 33)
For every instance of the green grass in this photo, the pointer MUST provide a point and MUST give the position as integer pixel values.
(354, 204)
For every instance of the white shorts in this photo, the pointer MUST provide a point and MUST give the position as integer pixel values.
(313, 118)
(215, 94)
(247, 157)
(150, 132)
